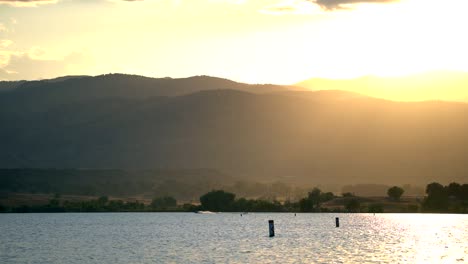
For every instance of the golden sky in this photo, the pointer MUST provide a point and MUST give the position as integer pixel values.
(255, 41)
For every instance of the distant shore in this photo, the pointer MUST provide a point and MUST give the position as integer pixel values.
(221, 201)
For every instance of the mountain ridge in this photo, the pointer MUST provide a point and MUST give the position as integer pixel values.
(324, 137)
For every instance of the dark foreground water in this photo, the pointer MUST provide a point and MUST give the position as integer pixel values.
(230, 238)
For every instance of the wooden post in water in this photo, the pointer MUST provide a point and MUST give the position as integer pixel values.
(337, 220)
(271, 226)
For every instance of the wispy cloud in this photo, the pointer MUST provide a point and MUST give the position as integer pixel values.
(3, 28)
(5, 43)
(4, 74)
(33, 3)
(314, 6)
(237, 2)
(5, 56)
(343, 4)
(15, 65)
(291, 7)
(27, 3)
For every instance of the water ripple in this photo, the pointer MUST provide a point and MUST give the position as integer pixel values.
(229, 238)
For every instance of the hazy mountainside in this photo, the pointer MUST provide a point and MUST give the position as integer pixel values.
(12, 85)
(38, 95)
(184, 184)
(316, 137)
(9, 85)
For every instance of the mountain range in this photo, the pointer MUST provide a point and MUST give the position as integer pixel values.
(257, 132)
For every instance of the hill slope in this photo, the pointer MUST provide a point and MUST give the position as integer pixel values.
(315, 137)
(73, 89)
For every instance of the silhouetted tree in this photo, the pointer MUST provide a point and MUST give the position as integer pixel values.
(54, 203)
(413, 208)
(353, 205)
(395, 193)
(103, 200)
(265, 206)
(190, 207)
(437, 197)
(435, 189)
(325, 197)
(217, 201)
(306, 205)
(163, 202)
(291, 206)
(464, 192)
(115, 205)
(242, 205)
(375, 208)
(454, 190)
(314, 200)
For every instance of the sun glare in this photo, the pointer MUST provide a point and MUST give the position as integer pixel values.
(284, 42)
(409, 47)
(393, 40)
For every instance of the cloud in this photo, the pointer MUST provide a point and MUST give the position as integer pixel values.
(236, 2)
(3, 28)
(343, 4)
(27, 3)
(33, 3)
(4, 74)
(5, 43)
(315, 6)
(5, 57)
(291, 7)
(25, 66)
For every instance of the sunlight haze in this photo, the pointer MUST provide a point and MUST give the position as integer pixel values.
(253, 41)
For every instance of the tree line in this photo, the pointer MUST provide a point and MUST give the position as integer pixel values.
(452, 198)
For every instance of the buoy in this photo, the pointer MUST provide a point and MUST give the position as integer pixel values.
(271, 226)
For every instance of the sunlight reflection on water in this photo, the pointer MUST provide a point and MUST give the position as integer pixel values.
(230, 238)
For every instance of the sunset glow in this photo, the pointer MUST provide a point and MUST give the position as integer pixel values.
(254, 41)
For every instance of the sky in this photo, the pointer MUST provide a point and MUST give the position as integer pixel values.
(254, 41)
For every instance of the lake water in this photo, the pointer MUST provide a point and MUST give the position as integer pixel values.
(230, 238)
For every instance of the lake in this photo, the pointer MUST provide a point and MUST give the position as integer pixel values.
(232, 238)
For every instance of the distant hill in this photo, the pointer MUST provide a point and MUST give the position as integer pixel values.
(268, 133)
(9, 85)
(184, 184)
(135, 86)
(37, 95)
(438, 85)
(12, 85)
